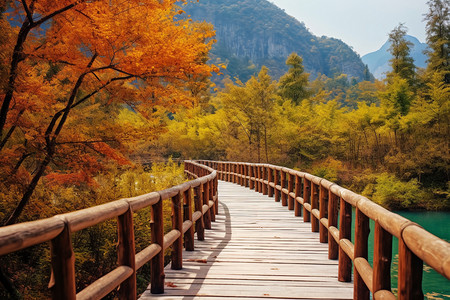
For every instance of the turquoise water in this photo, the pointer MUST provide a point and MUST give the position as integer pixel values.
(434, 285)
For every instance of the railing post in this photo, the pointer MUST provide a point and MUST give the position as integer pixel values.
(265, 177)
(360, 290)
(205, 197)
(261, 178)
(283, 184)
(198, 203)
(157, 262)
(258, 171)
(333, 246)
(382, 257)
(276, 179)
(306, 195)
(345, 232)
(257, 176)
(298, 190)
(291, 189)
(187, 215)
(410, 269)
(177, 223)
(244, 180)
(270, 179)
(323, 196)
(219, 170)
(224, 171)
(62, 281)
(251, 174)
(216, 195)
(212, 210)
(242, 172)
(240, 179)
(246, 173)
(314, 206)
(126, 253)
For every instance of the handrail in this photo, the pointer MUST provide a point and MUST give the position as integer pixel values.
(321, 201)
(58, 230)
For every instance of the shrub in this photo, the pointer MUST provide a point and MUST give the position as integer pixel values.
(391, 192)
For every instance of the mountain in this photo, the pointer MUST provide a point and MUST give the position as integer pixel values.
(378, 61)
(253, 33)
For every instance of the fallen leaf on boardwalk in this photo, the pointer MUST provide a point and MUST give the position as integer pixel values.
(203, 261)
(266, 294)
(274, 268)
(170, 284)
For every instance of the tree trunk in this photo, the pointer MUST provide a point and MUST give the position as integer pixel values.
(28, 192)
(265, 144)
(9, 286)
(17, 57)
(258, 137)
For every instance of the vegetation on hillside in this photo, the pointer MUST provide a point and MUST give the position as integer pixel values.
(387, 139)
(256, 33)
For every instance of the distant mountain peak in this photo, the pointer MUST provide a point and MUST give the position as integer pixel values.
(378, 61)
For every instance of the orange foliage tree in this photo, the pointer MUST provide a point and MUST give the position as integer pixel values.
(74, 66)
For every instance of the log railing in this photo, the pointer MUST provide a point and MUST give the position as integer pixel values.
(326, 204)
(58, 229)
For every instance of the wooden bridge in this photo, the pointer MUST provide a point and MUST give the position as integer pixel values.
(255, 249)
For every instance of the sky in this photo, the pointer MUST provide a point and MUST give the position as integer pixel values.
(362, 24)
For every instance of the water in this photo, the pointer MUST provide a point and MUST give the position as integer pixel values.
(434, 285)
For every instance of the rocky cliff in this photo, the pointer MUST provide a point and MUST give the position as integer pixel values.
(252, 33)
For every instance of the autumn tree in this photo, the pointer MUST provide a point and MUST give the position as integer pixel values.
(367, 75)
(69, 80)
(402, 63)
(401, 81)
(249, 108)
(294, 84)
(438, 36)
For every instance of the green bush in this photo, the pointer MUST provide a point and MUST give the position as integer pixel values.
(392, 193)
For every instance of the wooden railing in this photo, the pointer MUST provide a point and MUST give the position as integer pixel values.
(58, 230)
(326, 204)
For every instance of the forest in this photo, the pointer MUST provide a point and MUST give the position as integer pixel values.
(88, 88)
(385, 139)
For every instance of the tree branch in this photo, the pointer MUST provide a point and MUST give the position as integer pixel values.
(99, 89)
(72, 99)
(11, 130)
(18, 56)
(28, 12)
(57, 12)
(85, 142)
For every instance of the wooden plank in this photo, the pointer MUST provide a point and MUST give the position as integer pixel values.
(256, 249)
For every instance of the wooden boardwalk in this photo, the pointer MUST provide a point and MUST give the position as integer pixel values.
(256, 249)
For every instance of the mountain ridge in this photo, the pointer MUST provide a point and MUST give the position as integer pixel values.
(252, 33)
